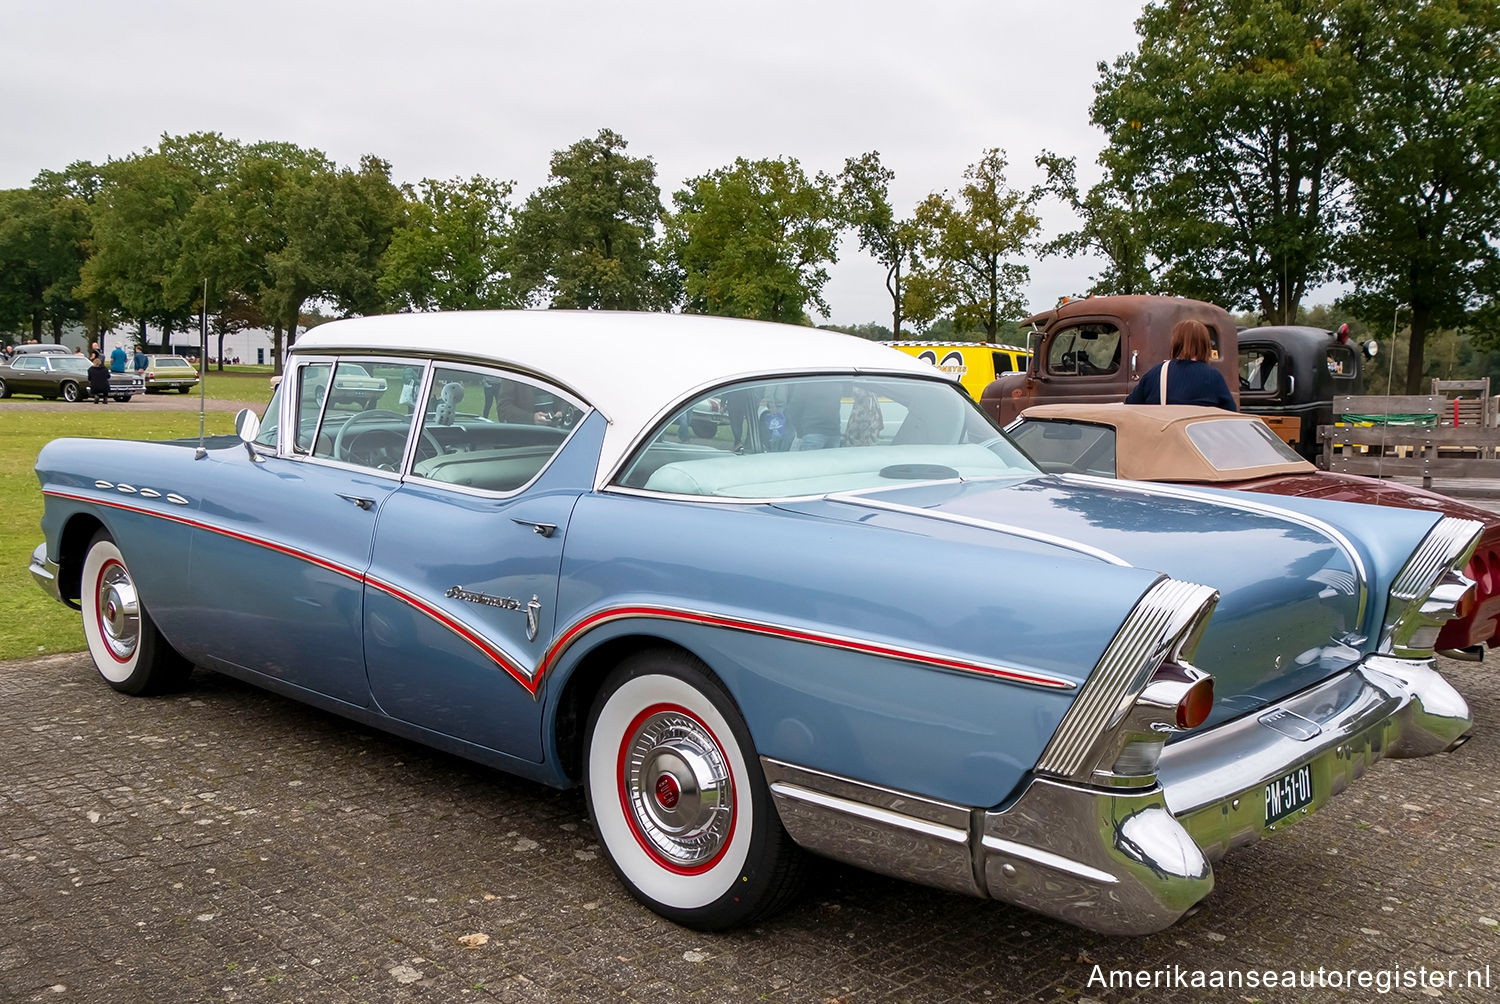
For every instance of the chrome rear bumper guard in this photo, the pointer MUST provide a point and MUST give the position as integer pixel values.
(1131, 861)
(44, 571)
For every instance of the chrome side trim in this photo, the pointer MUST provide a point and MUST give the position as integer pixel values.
(1246, 505)
(176, 499)
(1047, 859)
(886, 831)
(983, 524)
(568, 636)
(1170, 613)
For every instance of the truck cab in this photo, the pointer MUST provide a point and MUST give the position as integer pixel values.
(1094, 350)
(1290, 374)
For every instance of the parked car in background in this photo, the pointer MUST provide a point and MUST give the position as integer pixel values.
(973, 364)
(742, 655)
(43, 349)
(164, 373)
(60, 375)
(1208, 446)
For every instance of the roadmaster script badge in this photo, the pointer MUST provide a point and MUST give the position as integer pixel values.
(532, 607)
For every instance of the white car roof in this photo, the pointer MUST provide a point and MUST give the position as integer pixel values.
(633, 367)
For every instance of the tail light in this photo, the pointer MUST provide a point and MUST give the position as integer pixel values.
(1194, 706)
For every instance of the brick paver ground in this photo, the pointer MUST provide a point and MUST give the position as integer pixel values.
(226, 844)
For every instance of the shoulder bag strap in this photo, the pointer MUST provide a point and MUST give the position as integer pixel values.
(1163, 390)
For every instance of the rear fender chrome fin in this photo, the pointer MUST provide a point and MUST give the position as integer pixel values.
(1114, 732)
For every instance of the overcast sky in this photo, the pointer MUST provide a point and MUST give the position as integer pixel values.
(444, 88)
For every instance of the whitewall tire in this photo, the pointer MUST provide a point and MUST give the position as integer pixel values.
(127, 649)
(678, 798)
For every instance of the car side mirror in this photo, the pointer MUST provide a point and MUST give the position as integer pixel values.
(247, 427)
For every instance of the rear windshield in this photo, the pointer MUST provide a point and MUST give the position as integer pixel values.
(816, 435)
(1233, 445)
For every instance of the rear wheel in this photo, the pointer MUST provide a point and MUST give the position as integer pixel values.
(128, 650)
(68, 391)
(678, 797)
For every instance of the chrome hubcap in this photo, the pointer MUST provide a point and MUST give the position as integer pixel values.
(119, 612)
(678, 789)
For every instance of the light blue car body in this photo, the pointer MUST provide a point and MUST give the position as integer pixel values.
(913, 648)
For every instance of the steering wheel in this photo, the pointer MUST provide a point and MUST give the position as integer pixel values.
(343, 443)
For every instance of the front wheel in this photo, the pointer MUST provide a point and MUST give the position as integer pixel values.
(4, 390)
(678, 798)
(128, 650)
(69, 391)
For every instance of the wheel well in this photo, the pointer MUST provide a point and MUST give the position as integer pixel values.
(73, 545)
(578, 694)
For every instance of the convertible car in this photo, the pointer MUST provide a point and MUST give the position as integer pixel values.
(742, 654)
(1209, 446)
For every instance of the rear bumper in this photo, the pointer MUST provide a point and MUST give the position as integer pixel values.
(1131, 861)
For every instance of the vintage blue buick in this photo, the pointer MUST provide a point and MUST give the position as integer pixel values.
(853, 620)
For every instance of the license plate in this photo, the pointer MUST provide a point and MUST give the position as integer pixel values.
(1288, 794)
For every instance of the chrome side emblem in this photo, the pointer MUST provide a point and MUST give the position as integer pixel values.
(106, 485)
(126, 489)
(176, 499)
(150, 493)
(533, 607)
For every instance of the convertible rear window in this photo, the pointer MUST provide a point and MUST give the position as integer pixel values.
(816, 435)
(1233, 444)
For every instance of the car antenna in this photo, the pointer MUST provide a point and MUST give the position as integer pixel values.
(202, 450)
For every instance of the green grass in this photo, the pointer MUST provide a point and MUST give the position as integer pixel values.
(30, 622)
(238, 383)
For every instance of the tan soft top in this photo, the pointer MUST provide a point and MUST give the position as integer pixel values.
(1151, 441)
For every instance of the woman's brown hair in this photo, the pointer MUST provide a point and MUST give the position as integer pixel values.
(1190, 341)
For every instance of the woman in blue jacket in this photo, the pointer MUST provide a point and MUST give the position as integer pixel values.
(1186, 378)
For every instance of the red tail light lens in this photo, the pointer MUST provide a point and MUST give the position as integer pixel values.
(1194, 706)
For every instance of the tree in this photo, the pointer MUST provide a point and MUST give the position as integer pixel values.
(755, 239)
(44, 242)
(588, 238)
(969, 243)
(454, 250)
(1424, 168)
(144, 243)
(1115, 225)
(1227, 120)
(353, 215)
(864, 193)
(256, 233)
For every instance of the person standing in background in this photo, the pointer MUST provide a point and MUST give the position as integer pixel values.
(1188, 377)
(117, 360)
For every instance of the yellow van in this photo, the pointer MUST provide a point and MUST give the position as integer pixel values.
(972, 364)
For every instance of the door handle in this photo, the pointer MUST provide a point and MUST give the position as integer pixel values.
(545, 529)
(363, 503)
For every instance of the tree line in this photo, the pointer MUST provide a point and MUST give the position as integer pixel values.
(268, 229)
(1256, 149)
